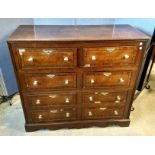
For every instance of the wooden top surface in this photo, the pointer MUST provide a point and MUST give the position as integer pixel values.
(76, 33)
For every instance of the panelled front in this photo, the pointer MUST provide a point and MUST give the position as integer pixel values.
(38, 101)
(47, 57)
(104, 104)
(120, 55)
(52, 103)
(104, 98)
(103, 112)
(49, 81)
(107, 79)
(54, 114)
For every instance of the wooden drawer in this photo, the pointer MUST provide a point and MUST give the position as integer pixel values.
(54, 114)
(47, 57)
(50, 81)
(110, 55)
(106, 79)
(51, 99)
(106, 98)
(103, 112)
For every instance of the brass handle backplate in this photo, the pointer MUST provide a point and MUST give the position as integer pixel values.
(53, 111)
(53, 96)
(47, 51)
(97, 102)
(102, 109)
(21, 51)
(107, 74)
(110, 49)
(50, 76)
(117, 101)
(104, 93)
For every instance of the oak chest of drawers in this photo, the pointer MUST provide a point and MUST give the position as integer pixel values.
(76, 76)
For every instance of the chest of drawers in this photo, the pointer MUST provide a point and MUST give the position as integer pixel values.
(76, 76)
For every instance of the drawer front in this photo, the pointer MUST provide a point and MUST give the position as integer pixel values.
(99, 98)
(106, 79)
(54, 114)
(110, 55)
(52, 99)
(50, 81)
(51, 57)
(103, 112)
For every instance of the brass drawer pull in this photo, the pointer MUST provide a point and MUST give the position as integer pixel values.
(118, 97)
(92, 81)
(110, 49)
(103, 109)
(121, 80)
(67, 114)
(126, 56)
(141, 43)
(50, 76)
(35, 82)
(37, 101)
(140, 48)
(107, 74)
(90, 98)
(66, 82)
(90, 113)
(93, 57)
(115, 112)
(66, 58)
(53, 111)
(30, 59)
(97, 102)
(21, 51)
(40, 116)
(104, 93)
(67, 100)
(47, 51)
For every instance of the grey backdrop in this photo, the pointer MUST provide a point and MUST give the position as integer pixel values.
(7, 26)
